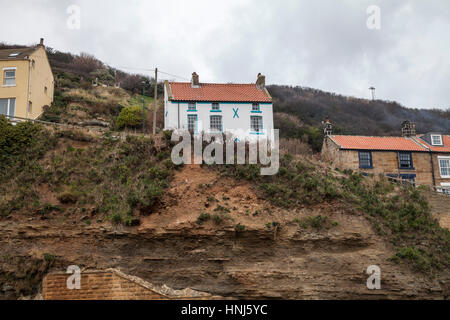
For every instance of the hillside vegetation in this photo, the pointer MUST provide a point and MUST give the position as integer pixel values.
(299, 111)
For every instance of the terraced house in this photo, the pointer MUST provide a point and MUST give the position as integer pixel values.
(418, 159)
(26, 81)
(245, 110)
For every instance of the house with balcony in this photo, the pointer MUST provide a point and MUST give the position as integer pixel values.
(26, 82)
(243, 110)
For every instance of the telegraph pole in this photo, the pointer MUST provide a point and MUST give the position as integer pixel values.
(156, 101)
(143, 107)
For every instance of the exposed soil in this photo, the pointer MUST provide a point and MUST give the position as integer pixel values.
(283, 260)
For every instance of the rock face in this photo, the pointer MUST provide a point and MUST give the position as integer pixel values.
(171, 249)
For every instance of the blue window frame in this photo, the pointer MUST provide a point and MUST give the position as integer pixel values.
(215, 107)
(405, 160)
(192, 106)
(365, 159)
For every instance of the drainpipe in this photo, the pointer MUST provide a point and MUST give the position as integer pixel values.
(29, 87)
(431, 160)
(432, 168)
(178, 115)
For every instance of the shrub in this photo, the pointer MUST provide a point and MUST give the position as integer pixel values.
(129, 117)
(239, 228)
(68, 197)
(203, 217)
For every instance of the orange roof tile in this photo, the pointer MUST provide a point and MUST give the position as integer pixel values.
(213, 92)
(377, 143)
(444, 148)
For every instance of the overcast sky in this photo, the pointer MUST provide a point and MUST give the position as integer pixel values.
(324, 44)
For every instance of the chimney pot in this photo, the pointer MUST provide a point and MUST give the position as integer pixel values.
(261, 82)
(41, 42)
(195, 82)
(408, 129)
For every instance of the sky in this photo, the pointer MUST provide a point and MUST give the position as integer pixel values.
(341, 46)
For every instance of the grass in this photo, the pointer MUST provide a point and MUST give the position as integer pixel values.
(119, 180)
(399, 214)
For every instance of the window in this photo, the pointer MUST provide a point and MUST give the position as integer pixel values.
(215, 107)
(436, 140)
(256, 124)
(255, 107)
(192, 123)
(405, 160)
(9, 77)
(216, 123)
(365, 159)
(444, 166)
(445, 188)
(7, 107)
(192, 106)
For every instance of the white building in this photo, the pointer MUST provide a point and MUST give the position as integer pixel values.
(245, 110)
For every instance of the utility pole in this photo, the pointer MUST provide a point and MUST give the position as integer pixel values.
(156, 101)
(373, 93)
(143, 107)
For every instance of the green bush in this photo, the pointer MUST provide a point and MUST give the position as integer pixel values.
(203, 218)
(129, 117)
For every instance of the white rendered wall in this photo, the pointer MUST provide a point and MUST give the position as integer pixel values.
(239, 125)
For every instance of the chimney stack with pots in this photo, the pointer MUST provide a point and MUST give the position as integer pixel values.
(41, 43)
(261, 81)
(408, 129)
(327, 127)
(195, 82)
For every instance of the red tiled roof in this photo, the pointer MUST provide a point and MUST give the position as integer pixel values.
(445, 148)
(377, 143)
(211, 92)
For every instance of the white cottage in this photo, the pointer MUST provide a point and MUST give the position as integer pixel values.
(245, 110)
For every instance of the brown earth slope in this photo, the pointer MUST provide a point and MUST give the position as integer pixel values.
(281, 260)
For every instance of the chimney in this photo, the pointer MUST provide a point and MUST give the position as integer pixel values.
(41, 43)
(408, 129)
(261, 81)
(195, 83)
(327, 127)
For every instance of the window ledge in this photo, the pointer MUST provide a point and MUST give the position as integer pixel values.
(412, 168)
(192, 110)
(445, 177)
(216, 110)
(258, 133)
(8, 85)
(254, 111)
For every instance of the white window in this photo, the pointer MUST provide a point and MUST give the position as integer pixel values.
(255, 107)
(192, 123)
(444, 166)
(7, 107)
(216, 123)
(192, 106)
(436, 140)
(215, 106)
(9, 77)
(256, 124)
(445, 188)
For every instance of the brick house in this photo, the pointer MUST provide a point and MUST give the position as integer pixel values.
(419, 159)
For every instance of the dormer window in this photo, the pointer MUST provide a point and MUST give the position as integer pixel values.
(255, 107)
(436, 140)
(215, 106)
